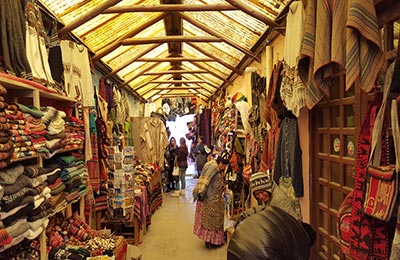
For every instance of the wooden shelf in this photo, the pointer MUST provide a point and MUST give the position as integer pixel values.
(11, 84)
(24, 158)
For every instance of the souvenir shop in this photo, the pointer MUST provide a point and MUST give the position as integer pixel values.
(87, 89)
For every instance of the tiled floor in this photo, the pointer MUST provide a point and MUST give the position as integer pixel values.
(170, 236)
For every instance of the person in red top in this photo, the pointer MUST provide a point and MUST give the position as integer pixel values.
(181, 153)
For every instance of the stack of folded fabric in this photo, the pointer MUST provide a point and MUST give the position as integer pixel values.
(55, 126)
(23, 193)
(19, 132)
(27, 250)
(33, 123)
(6, 145)
(73, 175)
(75, 130)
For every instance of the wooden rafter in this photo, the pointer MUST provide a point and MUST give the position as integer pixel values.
(152, 89)
(229, 66)
(170, 8)
(130, 61)
(167, 72)
(166, 39)
(205, 81)
(176, 88)
(86, 17)
(177, 81)
(176, 59)
(126, 82)
(252, 12)
(103, 52)
(210, 71)
(218, 35)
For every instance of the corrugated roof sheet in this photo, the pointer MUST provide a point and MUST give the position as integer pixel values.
(240, 30)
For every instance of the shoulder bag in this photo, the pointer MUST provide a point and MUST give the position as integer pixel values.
(382, 181)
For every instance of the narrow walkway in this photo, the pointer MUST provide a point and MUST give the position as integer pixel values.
(170, 236)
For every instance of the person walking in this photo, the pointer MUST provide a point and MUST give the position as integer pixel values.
(201, 156)
(182, 153)
(208, 194)
(169, 163)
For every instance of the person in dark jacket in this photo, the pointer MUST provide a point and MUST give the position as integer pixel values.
(182, 153)
(169, 156)
(201, 156)
(271, 234)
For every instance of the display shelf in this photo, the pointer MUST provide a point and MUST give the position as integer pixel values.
(24, 158)
(19, 84)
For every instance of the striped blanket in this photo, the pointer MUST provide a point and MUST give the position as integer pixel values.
(363, 45)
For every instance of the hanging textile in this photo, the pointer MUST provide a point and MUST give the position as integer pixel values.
(288, 161)
(205, 126)
(12, 49)
(364, 54)
(370, 237)
(292, 89)
(77, 74)
(36, 51)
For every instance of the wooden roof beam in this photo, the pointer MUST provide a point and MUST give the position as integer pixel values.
(170, 8)
(176, 59)
(151, 89)
(252, 12)
(229, 66)
(176, 88)
(175, 72)
(109, 48)
(126, 82)
(130, 61)
(210, 71)
(218, 35)
(173, 39)
(177, 81)
(86, 17)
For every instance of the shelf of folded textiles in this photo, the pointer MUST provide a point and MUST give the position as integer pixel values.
(64, 207)
(14, 83)
(24, 158)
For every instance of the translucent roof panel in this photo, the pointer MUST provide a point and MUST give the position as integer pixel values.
(239, 33)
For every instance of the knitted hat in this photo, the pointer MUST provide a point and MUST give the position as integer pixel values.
(261, 181)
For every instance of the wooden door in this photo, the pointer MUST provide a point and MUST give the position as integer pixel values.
(335, 126)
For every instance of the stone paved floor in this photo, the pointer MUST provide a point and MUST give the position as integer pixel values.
(170, 236)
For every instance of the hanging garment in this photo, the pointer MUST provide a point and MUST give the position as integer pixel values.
(364, 54)
(322, 50)
(36, 51)
(77, 74)
(288, 160)
(292, 89)
(12, 28)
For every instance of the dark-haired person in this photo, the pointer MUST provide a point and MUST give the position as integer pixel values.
(271, 234)
(169, 156)
(181, 153)
(200, 155)
(209, 216)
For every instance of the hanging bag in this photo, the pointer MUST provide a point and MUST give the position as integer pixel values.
(382, 181)
(175, 172)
